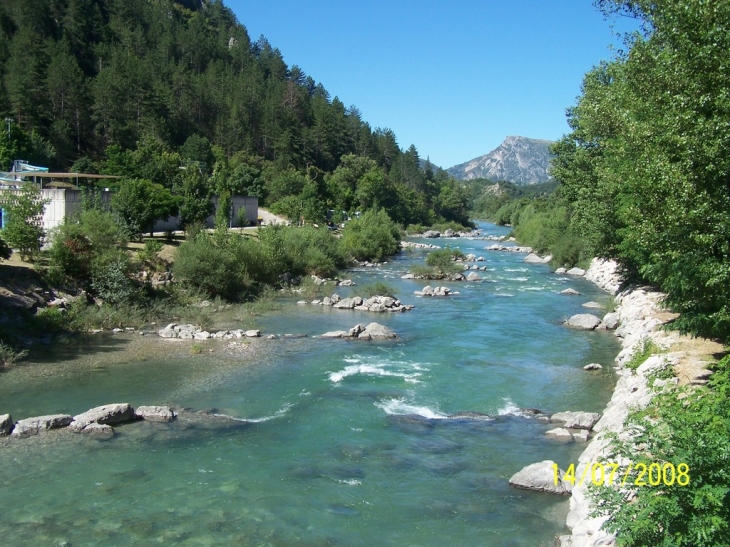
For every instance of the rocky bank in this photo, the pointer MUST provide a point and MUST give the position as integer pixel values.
(639, 317)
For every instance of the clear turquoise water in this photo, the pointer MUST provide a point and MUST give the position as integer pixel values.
(352, 445)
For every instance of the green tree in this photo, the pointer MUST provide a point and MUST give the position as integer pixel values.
(195, 203)
(23, 218)
(645, 166)
(139, 203)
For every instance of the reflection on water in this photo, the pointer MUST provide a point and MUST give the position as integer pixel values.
(310, 441)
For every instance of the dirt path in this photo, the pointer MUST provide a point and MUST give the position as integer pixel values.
(271, 218)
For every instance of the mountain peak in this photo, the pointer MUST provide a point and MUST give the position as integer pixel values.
(520, 160)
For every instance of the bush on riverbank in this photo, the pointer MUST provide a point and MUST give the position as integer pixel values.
(688, 428)
(373, 236)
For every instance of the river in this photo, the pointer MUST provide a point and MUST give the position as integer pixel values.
(348, 443)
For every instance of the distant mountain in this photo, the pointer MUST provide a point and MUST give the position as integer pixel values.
(517, 159)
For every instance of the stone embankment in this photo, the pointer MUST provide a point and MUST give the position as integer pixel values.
(637, 318)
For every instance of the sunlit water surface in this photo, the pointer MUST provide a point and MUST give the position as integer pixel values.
(348, 443)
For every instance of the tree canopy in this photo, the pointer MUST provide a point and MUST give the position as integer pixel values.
(646, 168)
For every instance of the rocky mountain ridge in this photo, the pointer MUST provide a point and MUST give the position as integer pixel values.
(518, 159)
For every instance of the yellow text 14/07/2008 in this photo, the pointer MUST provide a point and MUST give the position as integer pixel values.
(636, 474)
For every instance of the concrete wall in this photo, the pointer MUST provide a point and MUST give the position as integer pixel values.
(62, 203)
(245, 210)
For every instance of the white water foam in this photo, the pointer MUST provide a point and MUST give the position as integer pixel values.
(377, 367)
(371, 370)
(516, 270)
(510, 408)
(351, 482)
(283, 410)
(400, 407)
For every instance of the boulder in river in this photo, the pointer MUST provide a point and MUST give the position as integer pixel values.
(560, 434)
(31, 426)
(541, 477)
(576, 271)
(6, 425)
(576, 420)
(379, 332)
(611, 321)
(593, 366)
(102, 431)
(584, 321)
(532, 258)
(155, 413)
(569, 291)
(106, 414)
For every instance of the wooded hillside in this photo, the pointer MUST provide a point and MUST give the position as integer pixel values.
(138, 87)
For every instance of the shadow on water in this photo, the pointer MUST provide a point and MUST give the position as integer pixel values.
(71, 347)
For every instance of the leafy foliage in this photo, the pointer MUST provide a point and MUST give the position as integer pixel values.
(23, 211)
(139, 203)
(690, 426)
(372, 236)
(646, 167)
(442, 261)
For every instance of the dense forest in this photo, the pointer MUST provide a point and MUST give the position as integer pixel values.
(140, 88)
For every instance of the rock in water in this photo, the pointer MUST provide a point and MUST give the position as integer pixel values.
(584, 321)
(334, 334)
(611, 321)
(6, 425)
(576, 420)
(106, 414)
(569, 291)
(31, 426)
(101, 431)
(156, 413)
(560, 434)
(541, 477)
(379, 332)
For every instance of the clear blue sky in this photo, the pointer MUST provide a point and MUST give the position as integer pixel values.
(454, 78)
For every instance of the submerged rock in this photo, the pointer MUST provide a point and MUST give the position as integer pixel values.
(570, 292)
(560, 434)
(94, 429)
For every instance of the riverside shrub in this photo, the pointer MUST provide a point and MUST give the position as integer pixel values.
(688, 426)
(373, 236)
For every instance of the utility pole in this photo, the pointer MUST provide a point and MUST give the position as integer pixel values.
(8, 121)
